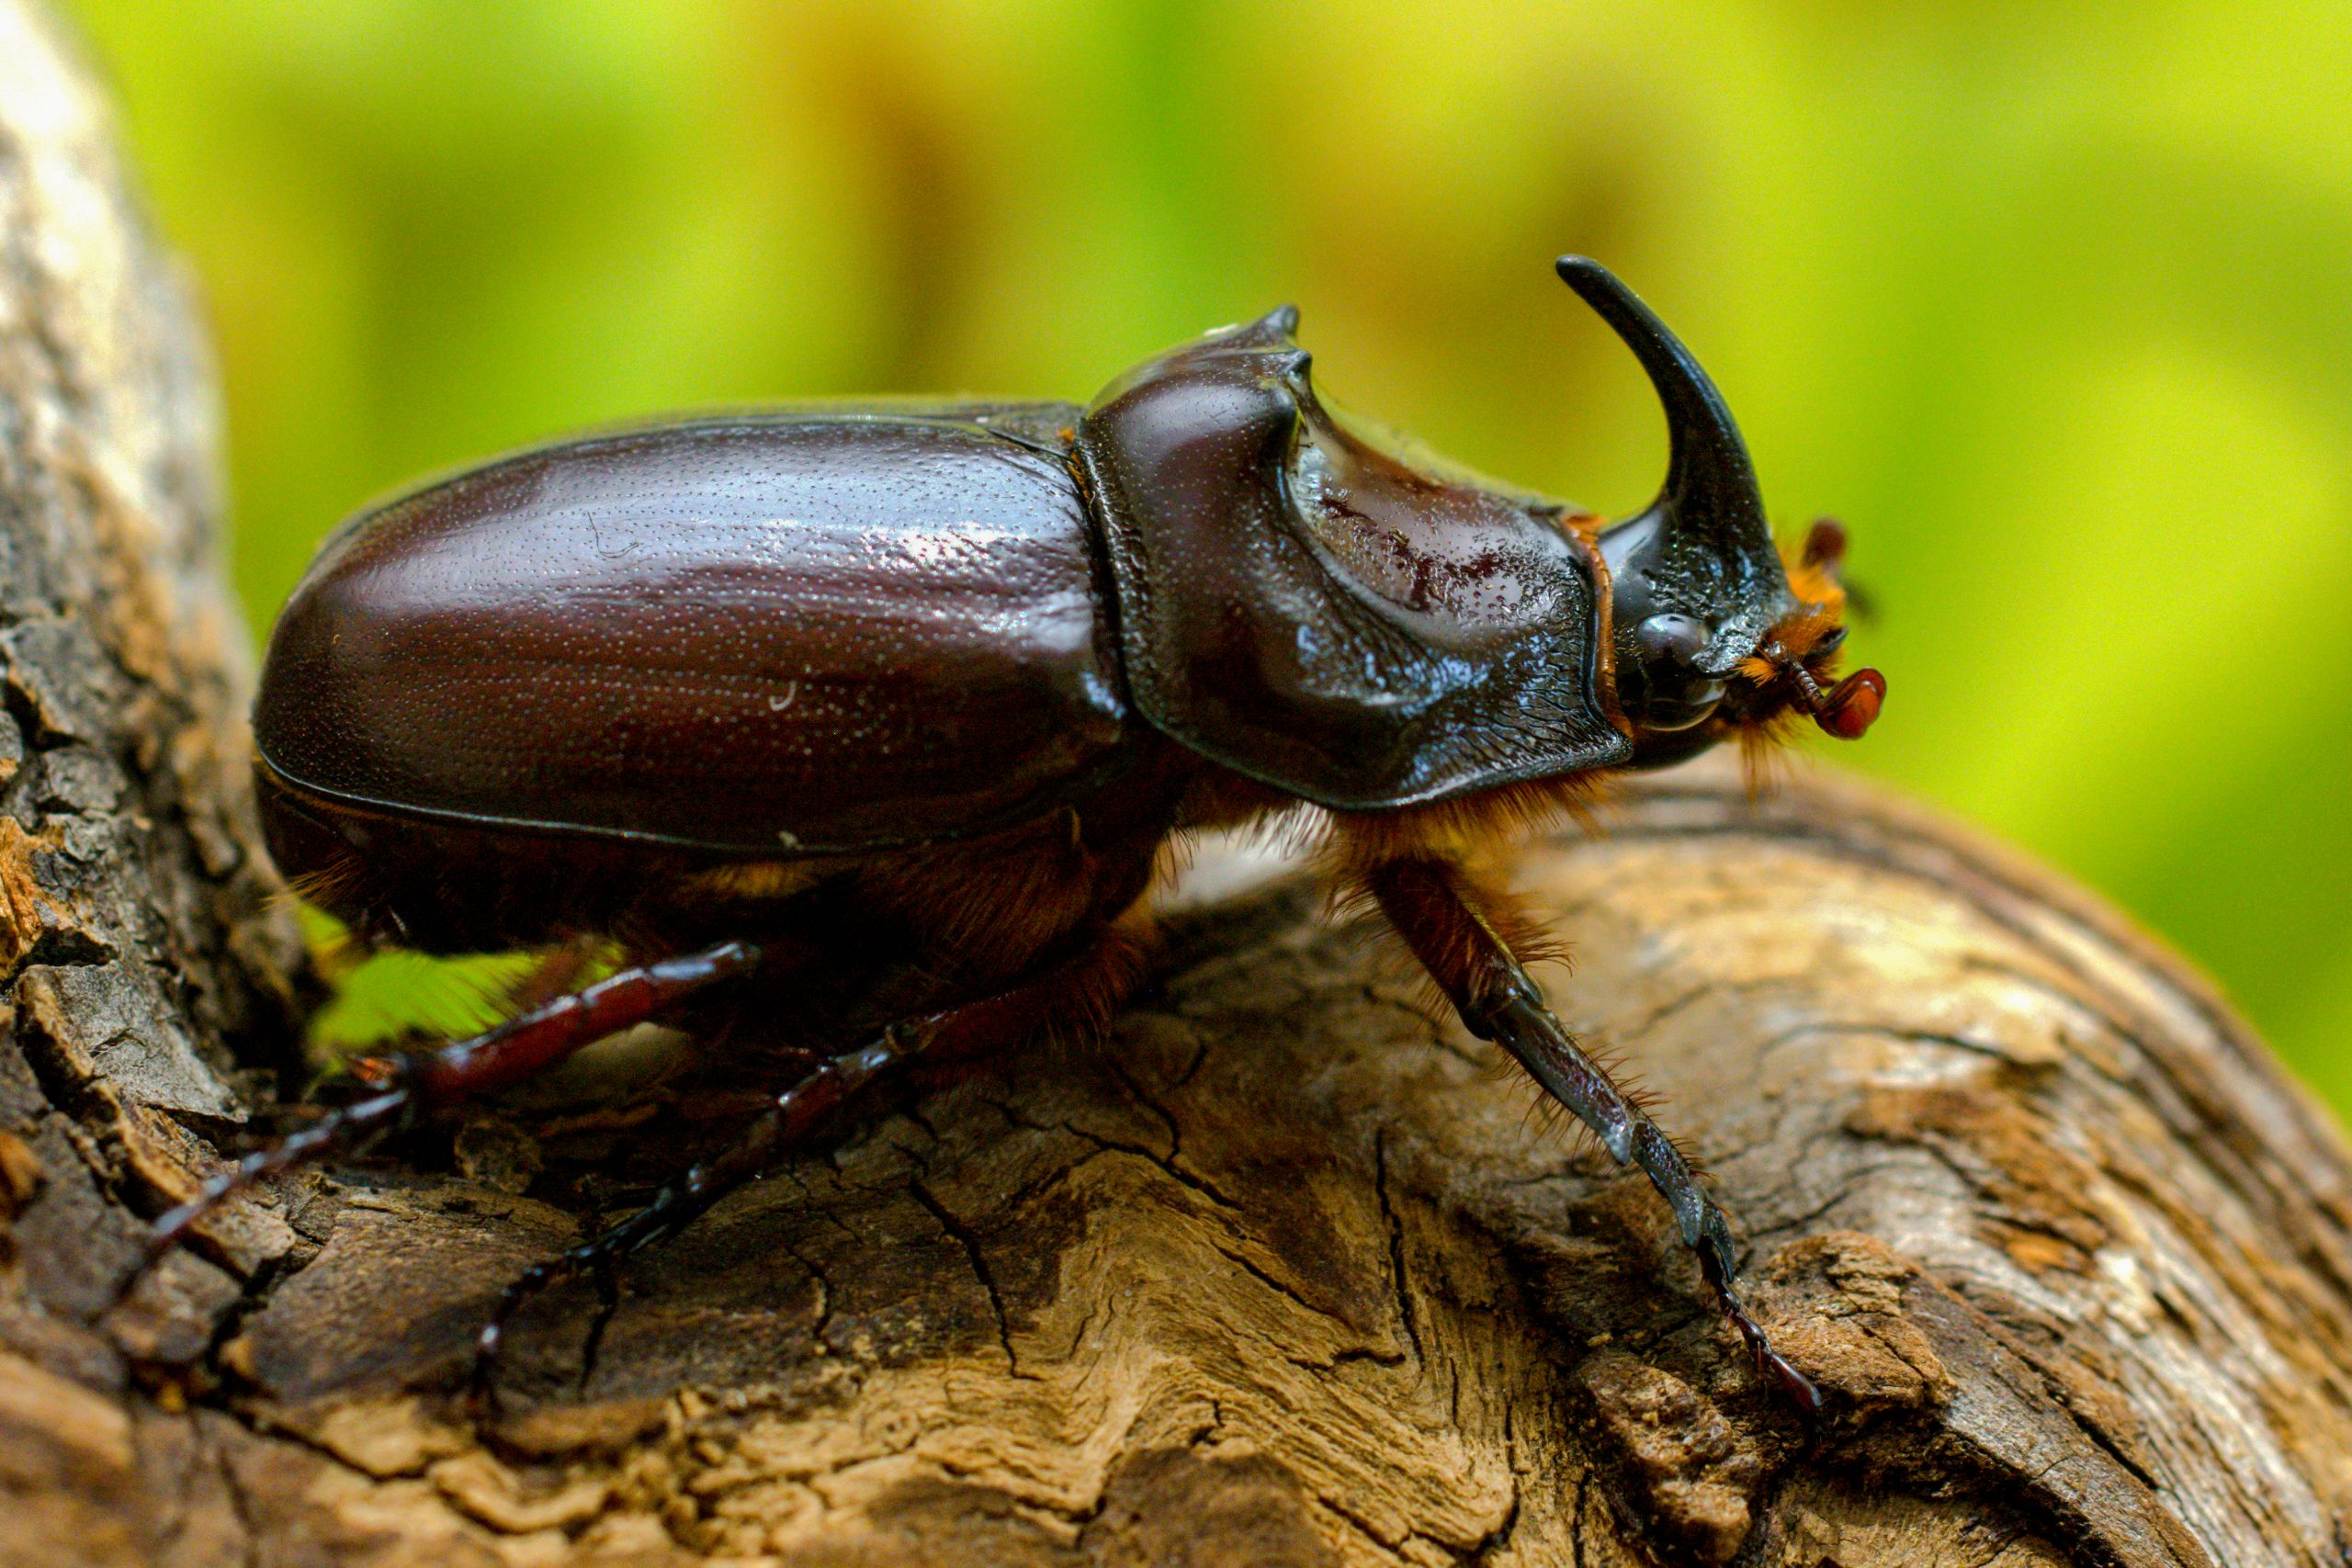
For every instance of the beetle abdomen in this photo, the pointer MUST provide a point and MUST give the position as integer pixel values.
(805, 631)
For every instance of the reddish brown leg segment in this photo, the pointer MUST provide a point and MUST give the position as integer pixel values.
(1425, 900)
(545, 1035)
(1079, 994)
(434, 1080)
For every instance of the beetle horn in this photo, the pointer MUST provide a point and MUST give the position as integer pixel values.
(1703, 547)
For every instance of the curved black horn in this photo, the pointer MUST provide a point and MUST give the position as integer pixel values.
(1703, 547)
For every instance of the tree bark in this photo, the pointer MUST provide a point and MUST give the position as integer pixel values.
(1285, 1272)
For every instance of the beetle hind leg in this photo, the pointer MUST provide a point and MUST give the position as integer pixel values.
(1431, 908)
(434, 1080)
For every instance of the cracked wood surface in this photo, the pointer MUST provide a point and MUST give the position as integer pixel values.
(1283, 1273)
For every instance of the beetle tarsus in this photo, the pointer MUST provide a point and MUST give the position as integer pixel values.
(1715, 1262)
(1499, 1001)
(348, 1128)
(1523, 1026)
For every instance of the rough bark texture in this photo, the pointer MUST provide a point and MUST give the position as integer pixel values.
(1284, 1273)
(139, 960)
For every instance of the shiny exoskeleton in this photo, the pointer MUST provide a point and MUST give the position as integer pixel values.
(883, 716)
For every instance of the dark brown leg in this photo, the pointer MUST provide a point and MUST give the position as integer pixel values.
(1436, 910)
(1077, 995)
(434, 1080)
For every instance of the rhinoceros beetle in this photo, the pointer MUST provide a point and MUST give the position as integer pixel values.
(875, 719)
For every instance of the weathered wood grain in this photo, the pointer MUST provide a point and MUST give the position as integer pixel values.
(1284, 1272)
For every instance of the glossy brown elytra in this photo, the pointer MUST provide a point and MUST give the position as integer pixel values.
(882, 716)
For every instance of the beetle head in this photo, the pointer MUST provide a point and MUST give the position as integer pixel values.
(1715, 634)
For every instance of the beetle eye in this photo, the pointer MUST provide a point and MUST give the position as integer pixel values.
(1672, 640)
(1831, 641)
(1675, 693)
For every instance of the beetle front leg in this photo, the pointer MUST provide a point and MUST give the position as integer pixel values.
(1432, 905)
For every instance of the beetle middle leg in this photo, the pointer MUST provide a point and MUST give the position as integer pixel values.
(1076, 996)
(1434, 907)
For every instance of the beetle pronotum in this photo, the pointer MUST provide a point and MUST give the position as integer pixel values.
(872, 722)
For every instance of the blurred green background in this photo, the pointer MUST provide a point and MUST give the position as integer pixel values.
(2053, 303)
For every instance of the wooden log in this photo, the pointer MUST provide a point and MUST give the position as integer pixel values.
(1285, 1272)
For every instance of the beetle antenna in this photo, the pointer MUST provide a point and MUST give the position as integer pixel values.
(1846, 709)
(1808, 688)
